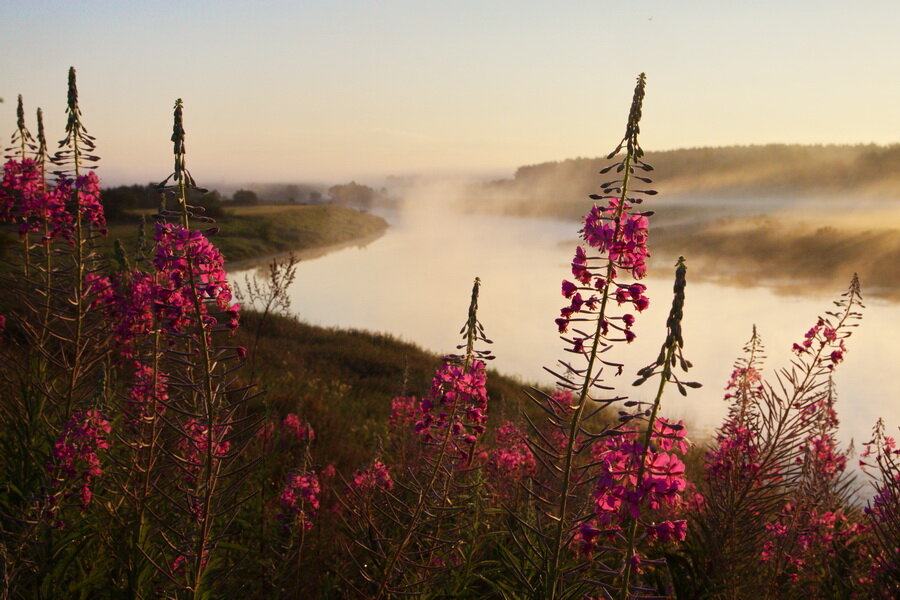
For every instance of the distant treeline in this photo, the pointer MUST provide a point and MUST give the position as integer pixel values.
(119, 200)
(721, 172)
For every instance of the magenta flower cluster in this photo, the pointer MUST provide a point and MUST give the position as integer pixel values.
(620, 237)
(638, 484)
(295, 430)
(191, 265)
(801, 537)
(76, 453)
(510, 457)
(198, 441)
(149, 388)
(87, 187)
(405, 413)
(825, 341)
(623, 239)
(735, 455)
(27, 201)
(299, 499)
(375, 477)
(456, 407)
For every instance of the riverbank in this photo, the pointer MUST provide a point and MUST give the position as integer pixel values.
(252, 233)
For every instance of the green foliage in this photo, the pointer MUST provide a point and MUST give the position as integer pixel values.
(242, 197)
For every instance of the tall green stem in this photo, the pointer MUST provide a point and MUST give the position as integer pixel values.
(562, 522)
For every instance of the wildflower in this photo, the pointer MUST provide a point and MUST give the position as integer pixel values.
(199, 437)
(619, 494)
(377, 476)
(149, 388)
(299, 499)
(405, 411)
(87, 188)
(511, 458)
(296, 430)
(456, 406)
(76, 457)
(191, 265)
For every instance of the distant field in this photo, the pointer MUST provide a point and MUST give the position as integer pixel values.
(248, 232)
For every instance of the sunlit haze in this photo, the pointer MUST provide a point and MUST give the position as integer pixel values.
(329, 91)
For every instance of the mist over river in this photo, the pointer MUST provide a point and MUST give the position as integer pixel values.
(414, 282)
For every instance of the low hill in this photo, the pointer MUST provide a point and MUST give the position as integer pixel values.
(726, 173)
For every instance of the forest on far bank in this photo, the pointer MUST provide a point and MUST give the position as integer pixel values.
(557, 188)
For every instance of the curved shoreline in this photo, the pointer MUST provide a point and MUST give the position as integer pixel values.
(304, 253)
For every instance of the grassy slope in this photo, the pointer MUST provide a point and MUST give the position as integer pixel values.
(342, 381)
(249, 232)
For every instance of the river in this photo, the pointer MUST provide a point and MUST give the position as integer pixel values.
(414, 282)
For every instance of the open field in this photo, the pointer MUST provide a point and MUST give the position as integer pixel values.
(249, 232)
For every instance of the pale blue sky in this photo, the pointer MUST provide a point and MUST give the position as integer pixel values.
(345, 89)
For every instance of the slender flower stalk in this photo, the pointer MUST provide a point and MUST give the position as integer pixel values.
(79, 185)
(670, 356)
(22, 140)
(762, 464)
(405, 536)
(620, 236)
(206, 399)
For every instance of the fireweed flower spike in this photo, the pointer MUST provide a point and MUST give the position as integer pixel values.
(605, 272)
(78, 185)
(659, 475)
(403, 541)
(881, 461)
(188, 290)
(764, 457)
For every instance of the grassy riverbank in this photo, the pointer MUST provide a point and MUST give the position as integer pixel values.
(248, 232)
(342, 381)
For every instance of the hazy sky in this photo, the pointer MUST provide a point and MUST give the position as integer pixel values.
(340, 89)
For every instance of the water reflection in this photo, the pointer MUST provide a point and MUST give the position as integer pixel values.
(415, 281)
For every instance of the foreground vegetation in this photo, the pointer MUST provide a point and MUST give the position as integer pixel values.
(158, 444)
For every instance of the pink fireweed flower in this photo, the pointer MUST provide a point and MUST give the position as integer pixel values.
(198, 440)
(824, 341)
(377, 476)
(456, 407)
(87, 188)
(295, 430)
(619, 497)
(76, 457)
(405, 411)
(180, 253)
(26, 200)
(148, 388)
(511, 458)
(621, 241)
(299, 499)
(800, 538)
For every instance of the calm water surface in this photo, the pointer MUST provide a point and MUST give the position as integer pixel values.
(415, 282)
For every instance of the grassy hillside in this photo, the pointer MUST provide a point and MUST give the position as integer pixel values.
(342, 381)
(726, 173)
(249, 232)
